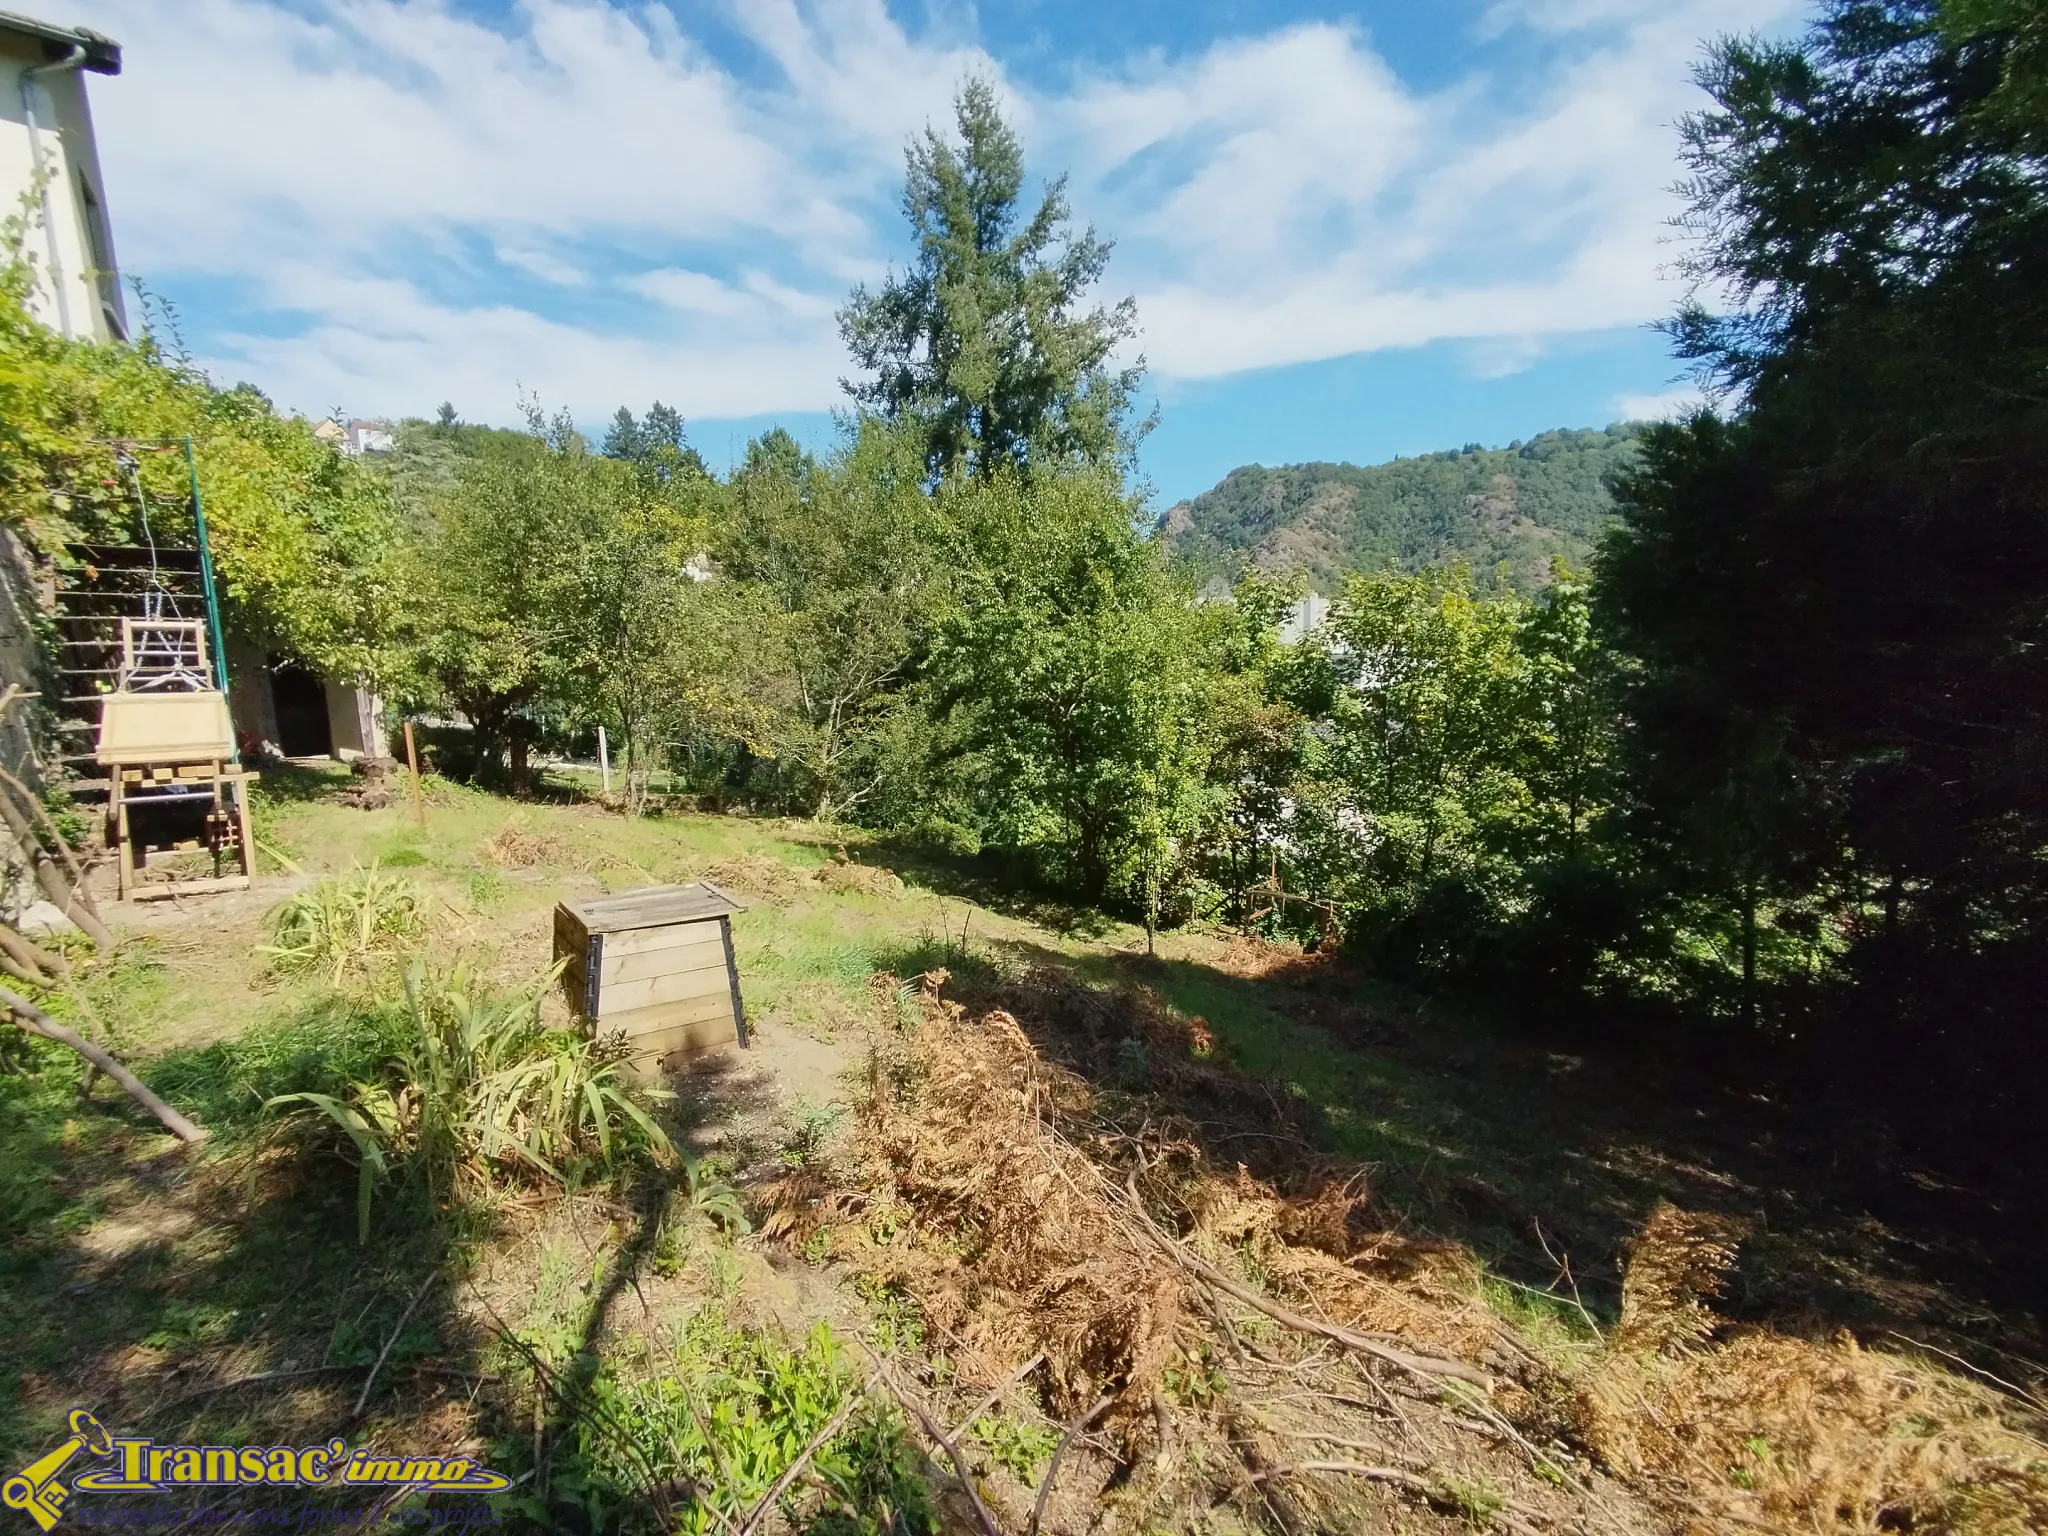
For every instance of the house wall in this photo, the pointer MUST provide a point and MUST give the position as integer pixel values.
(83, 238)
(250, 701)
(354, 718)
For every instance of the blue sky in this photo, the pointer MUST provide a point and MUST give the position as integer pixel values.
(1352, 231)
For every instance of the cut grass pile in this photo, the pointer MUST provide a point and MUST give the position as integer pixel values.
(1009, 1198)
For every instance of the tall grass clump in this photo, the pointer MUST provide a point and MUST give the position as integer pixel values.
(344, 921)
(477, 1090)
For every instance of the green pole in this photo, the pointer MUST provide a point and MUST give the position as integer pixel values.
(220, 651)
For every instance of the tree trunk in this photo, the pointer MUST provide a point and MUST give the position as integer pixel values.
(522, 772)
(1749, 953)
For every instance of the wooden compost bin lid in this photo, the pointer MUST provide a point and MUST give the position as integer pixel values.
(656, 965)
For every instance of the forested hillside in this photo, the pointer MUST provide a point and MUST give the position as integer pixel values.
(1520, 506)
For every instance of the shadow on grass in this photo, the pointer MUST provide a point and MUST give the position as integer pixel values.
(298, 783)
(1532, 1158)
(223, 1297)
(216, 1297)
(1001, 885)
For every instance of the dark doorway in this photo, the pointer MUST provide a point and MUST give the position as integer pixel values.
(301, 702)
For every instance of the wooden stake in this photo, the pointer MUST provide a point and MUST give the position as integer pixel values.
(412, 761)
(604, 761)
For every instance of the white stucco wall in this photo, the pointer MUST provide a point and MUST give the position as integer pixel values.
(85, 256)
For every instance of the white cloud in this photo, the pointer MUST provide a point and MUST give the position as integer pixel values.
(691, 291)
(337, 166)
(547, 267)
(1668, 406)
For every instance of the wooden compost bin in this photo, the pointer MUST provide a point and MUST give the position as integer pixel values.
(656, 964)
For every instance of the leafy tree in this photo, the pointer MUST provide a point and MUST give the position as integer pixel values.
(1073, 666)
(839, 553)
(983, 345)
(1427, 689)
(445, 418)
(488, 624)
(551, 583)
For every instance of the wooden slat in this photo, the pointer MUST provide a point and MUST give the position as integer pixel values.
(641, 941)
(639, 965)
(631, 996)
(171, 889)
(663, 1016)
(653, 906)
(682, 1040)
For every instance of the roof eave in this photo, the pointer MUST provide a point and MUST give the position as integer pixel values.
(102, 53)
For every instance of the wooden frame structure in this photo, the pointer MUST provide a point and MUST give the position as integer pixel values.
(655, 965)
(167, 739)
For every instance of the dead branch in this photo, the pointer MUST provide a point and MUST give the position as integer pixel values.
(21, 972)
(1411, 1481)
(31, 956)
(36, 1022)
(49, 825)
(66, 899)
(1407, 1360)
(917, 1410)
(996, 1396)
(404, 1317)
(1052, 1470)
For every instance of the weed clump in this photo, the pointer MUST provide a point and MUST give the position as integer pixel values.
(346, 922)
(767, 1397)
(478, 1088)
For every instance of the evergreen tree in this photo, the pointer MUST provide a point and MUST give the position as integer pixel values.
(983, 343)
(1834, 599)
(657, 443)
(663, 428)
(625, 439)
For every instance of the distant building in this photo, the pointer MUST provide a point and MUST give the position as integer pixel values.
(332, 433)
(1303, 617)
(48, 156)
(369, 437)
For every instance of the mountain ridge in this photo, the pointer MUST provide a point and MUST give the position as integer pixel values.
(1506, 512)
